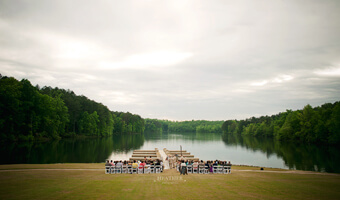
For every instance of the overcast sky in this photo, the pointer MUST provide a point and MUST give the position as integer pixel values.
(178, 60)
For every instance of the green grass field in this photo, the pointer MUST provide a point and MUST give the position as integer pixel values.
(88, 181)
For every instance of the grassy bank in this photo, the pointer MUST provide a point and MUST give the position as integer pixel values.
(74, 181)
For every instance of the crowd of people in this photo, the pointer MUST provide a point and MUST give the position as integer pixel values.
(156, 166)
(206, 167)
(135, 166)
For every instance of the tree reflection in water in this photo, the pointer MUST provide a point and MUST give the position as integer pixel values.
(295, 155)
(84, 150)
(94, 150)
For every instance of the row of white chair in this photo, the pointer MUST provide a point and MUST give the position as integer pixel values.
(147, 169)
(226, 169)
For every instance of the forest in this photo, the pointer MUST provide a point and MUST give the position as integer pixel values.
(29, 112)
(199, 126)
(319, 125)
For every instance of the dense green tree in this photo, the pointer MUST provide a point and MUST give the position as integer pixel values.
(202, 126)
(28, 112)
(334, 125)
(88, 125)
(311, 125)
(153, 125)
(10, 93)
(289, 127)
(128, 123)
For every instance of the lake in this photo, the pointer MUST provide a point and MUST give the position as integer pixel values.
(206, 146)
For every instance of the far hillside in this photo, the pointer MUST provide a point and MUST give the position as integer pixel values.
(312, 125)
(29, 113)
(202, 126)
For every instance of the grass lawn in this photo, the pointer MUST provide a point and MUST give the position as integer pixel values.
(244, 183)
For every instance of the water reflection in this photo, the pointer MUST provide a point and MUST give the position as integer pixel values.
(183, 136)
(207, 146)
(295, 156)
(85, 150)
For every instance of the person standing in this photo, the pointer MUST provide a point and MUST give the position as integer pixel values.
(183, 168)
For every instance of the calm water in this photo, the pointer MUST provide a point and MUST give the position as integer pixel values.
(206, 146)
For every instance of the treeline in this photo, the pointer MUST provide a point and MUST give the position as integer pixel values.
(200, 126)
(28, 112)
(312, 125)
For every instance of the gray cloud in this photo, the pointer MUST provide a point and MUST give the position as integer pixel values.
(178, 60)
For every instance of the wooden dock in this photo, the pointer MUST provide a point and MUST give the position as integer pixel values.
(180, 154)
(172, 155)
(148, 154)
(175, 155)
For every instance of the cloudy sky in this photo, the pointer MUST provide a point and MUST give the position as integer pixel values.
(178, 60)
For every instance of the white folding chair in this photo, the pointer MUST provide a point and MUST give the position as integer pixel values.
(152, 169)
(189, 169)
(125, 169)
(107, 170)
(206, 169)
(220, 169)
(141, 170)
(134, 170)
(147, 169)
(201, 169)
(225, 169)
(194, 169)
(158, 169)
(129, 169)
(118, 170)
(215, 169)
(112, 169)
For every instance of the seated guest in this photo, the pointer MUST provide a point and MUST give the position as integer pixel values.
(157, 165)
(207, 164)
(156, 162)
(215, 163)
(141, 165)
(119, 164)
(112, 163)
(107, 163)
(195, 165)
(188, 162)
(134, 165)
(152, 166)
(129, 165)
(201, 164)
